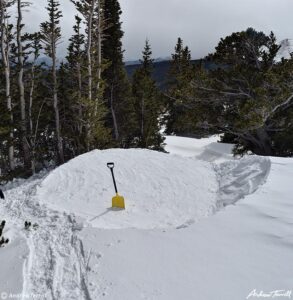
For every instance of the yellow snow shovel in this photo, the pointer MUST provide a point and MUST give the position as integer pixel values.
(117, 201)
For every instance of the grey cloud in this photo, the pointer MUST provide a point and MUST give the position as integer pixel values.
(201, 23)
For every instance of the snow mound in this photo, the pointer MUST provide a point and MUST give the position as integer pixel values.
(160, 190)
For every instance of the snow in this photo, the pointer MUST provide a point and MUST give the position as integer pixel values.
(12, 260)
(238, 178)
(206, 149)
(145, 179)
(286, 48)
(199, 224)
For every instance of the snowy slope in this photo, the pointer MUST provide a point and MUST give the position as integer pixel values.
(180, 236)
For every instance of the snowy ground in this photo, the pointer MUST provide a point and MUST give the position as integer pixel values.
(198, 224)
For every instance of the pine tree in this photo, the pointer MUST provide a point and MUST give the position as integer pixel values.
(250, 93)
(33, 84)
(179, 119)
(94, 109)
(147, 103)
(76, 72)
(117, 91)
(51, 36)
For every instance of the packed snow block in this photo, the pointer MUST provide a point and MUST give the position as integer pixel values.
(161, 190)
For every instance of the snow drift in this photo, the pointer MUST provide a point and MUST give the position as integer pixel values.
(160, 190)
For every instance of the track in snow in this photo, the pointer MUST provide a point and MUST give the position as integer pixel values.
(56, 266)
(239, 178)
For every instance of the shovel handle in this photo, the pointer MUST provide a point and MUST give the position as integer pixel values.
(110, 165)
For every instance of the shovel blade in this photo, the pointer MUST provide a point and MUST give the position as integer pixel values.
(118, 201)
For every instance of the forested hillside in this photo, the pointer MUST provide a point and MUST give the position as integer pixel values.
(161, 69)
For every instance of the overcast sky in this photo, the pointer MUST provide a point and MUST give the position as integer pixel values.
(201, 23)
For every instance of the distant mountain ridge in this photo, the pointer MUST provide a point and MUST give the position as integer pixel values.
(160, 72)
(161, 69)
(137, 62)
(162, 65)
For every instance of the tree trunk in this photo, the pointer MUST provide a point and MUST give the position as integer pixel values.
(265, 141)
(79, 79)
(31, 95)
(99, 41)
(89, 50)
(56, 109)
(89, 62)
(31, 128)
(142, 121)
(5, 51)
(23, 123)
(258, 141)
(80, 110)
(55, 93)
(116, 132)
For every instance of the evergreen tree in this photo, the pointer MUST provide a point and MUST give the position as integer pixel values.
(35, 71)
(180, 116)
(117, 92)
(248, 91)
(147, 103)
(92, 109)
(51, 36)
(76, 58)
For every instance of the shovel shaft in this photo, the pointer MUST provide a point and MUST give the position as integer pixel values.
(112, 172)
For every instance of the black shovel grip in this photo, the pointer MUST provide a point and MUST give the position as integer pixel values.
(110, 165)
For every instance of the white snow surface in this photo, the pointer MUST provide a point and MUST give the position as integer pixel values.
(160, 190)
(199, 224)
(206, 149)
(286, 48)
